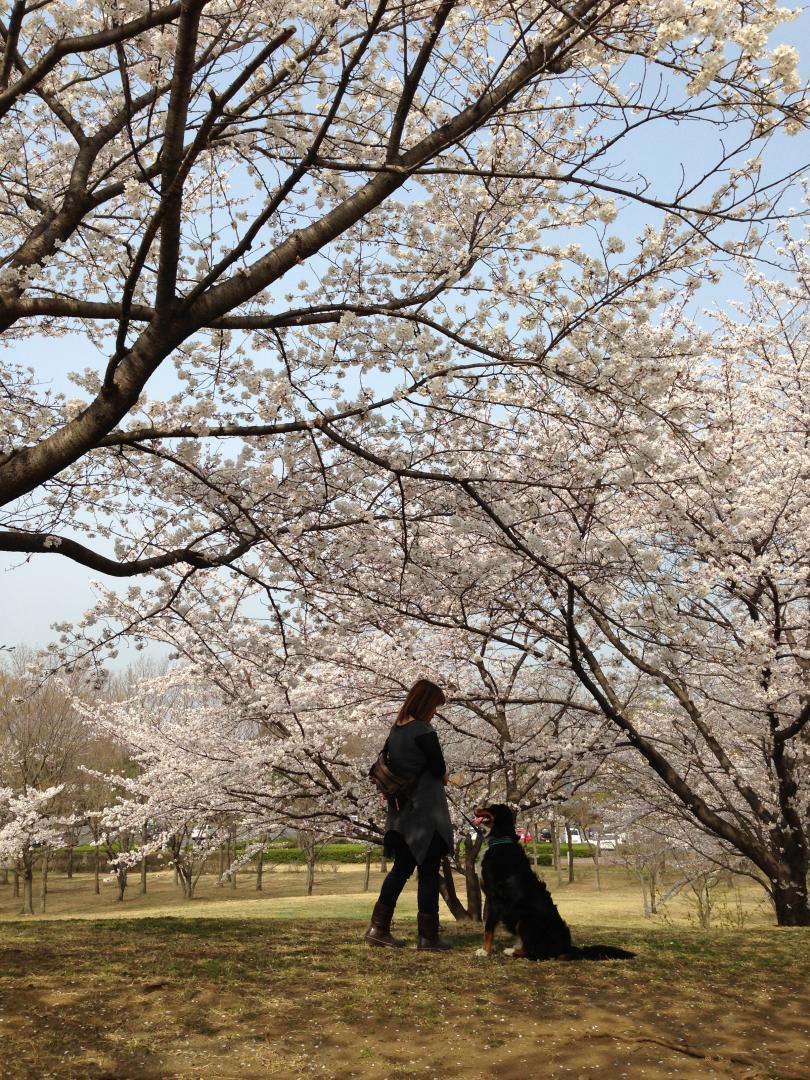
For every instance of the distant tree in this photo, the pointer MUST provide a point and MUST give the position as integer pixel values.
(41, 739)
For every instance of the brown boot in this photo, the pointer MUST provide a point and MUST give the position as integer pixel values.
(429, 934)
(379, 933)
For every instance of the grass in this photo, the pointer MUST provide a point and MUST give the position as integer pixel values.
(339, 894)
(282, 985)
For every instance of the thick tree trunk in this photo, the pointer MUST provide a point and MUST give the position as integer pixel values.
(96, 874)
(121, 877)
(790, 900)
(69, 868)
(473, 883)
(447, 888)
(260, 871)
(310, 875)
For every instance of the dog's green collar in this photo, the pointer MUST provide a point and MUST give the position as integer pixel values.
(495, 840)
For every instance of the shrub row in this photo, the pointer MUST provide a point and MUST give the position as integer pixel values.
(282, 853)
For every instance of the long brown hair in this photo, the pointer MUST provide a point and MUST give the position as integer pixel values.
(423, 699)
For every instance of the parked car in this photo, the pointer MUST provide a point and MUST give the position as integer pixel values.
(610, 841)
(577, 837)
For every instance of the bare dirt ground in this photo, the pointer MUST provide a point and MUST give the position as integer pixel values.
(294, 998)
(243, 999)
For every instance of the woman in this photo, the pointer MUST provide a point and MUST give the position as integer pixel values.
(417, 830)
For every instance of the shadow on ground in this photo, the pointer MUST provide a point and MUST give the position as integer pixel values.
(154, 999)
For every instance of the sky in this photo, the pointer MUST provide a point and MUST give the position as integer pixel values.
(37, 592)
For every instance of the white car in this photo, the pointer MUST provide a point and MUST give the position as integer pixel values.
(610, 841)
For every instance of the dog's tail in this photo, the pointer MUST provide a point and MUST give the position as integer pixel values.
(599, 952)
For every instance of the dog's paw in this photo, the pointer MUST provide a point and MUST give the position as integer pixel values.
(510, 951)
(481, 952)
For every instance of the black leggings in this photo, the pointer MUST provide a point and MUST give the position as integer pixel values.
(427, 892)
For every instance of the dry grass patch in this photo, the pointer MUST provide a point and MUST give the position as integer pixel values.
(339, 894)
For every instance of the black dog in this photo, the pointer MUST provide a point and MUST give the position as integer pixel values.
(519, 900)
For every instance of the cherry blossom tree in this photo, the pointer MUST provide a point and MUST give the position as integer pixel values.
(709, 611)
(30, 826)
(290, 230)
(660, 551)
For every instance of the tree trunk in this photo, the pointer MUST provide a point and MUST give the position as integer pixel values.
(555, 850)
(644, 900)
(368, 871)
(43, 885)
(447, 888)
(260, 871)
(121, 878)
(144, 838)
(310, 874)
(69, 869)
(233, 854)
(28, 888)
(96, 874)
(597, 851)
(474, 903)
(703, 900)
(4, 872)
(187, 880)
(569, 854)
(383, 864)
(16, 882)
(790, 901)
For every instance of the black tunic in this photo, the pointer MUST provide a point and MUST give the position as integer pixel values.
(413, 748)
